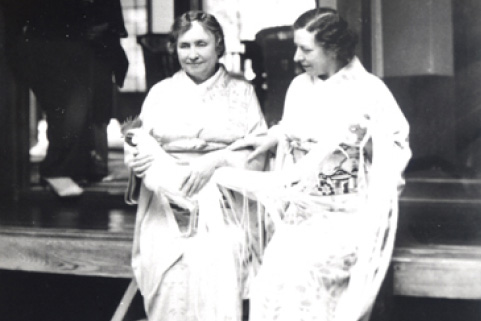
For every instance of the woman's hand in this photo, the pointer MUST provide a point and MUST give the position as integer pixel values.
(138, 163)
(261, 144)
(201, 171)
(139, 158)
(141, 163)
(130, 152)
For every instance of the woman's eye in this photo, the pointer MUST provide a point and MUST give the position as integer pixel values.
(304, 50)
(202, 44)
(183, 46)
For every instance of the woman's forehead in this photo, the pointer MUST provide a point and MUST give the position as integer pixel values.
(196, 32)
(302, 37)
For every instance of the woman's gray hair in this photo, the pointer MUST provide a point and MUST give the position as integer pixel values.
(331, 32)
(183, 23)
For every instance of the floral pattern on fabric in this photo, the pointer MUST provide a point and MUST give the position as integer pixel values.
(309, 286)
(338, 173)
(331, 228)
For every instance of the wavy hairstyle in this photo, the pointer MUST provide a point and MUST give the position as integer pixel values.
(184, 22)
(331, 32)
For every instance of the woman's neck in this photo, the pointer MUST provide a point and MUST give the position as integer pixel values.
(334, 69)
(210, 75)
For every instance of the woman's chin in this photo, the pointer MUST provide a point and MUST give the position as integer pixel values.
(198, 77)
(309, 71)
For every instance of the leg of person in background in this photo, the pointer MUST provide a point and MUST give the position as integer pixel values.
(102, 105)
(59, 76)
(98, 163)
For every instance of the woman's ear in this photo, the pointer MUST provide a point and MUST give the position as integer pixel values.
(332, 54)
(219, 50)
(171, 48)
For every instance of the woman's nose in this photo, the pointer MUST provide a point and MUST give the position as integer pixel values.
(193, 54)
(298, 55)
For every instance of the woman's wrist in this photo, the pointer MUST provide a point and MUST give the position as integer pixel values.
(218, 158)
(229, 158)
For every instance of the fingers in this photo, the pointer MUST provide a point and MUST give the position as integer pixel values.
(192, 184)
(140, 164)
(140, 170)
(258, 151)
(129, 153)
(261, 144)
(240, 144)
(197, 184)
(187, 185)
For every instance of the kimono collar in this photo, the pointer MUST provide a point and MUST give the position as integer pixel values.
(207, 85)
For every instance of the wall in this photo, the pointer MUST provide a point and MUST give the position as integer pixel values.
(256, 15)
(13, 118)
(428, 103)
(467, 20)
(440, 94)
(417, 63)
(4, 107)
(417, 37)
(162, 15)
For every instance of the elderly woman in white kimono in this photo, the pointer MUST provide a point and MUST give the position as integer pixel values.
(190, 253)
(341, 150)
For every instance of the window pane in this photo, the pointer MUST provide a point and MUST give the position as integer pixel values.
(135, 16)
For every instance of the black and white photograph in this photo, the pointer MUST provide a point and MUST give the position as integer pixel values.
(240, 160)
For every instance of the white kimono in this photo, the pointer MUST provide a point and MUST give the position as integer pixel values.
(343, 148)
(188, 270)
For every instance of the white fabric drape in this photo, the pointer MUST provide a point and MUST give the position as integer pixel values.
(193, 271)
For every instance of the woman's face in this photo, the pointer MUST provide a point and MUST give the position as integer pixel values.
(315, 60)
(196, 52)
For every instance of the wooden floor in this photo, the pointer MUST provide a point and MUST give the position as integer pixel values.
(84, 226)
(78, 253)
(438, 252)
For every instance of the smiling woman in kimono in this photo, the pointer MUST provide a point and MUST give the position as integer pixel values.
(192, 266)
(341, 150)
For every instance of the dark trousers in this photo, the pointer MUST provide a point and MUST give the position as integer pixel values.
(66, 78)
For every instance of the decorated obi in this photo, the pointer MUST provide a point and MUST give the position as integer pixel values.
(339, 172)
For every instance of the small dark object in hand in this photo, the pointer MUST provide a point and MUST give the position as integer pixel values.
(130, 123)
(129, 139)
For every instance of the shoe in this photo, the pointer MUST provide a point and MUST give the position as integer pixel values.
(64, 186)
